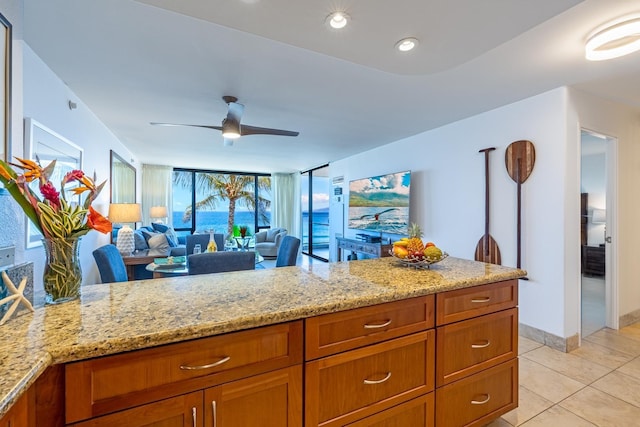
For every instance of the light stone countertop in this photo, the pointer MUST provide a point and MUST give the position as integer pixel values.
(112, 318)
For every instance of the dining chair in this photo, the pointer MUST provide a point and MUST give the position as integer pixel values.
(196, 239)
(219, 262)
(110, 264)
(288, 252)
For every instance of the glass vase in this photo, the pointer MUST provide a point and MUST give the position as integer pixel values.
(62, 274)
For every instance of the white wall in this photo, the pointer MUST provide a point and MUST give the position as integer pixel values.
(447, 194)
(44, 97)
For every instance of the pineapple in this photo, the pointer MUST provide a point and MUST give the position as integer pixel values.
(415, 244)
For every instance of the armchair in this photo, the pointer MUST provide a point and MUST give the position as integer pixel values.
(268, 241)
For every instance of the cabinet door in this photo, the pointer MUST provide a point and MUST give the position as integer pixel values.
(273, 399)
(180, 411)
(19, 415)
(415, 413)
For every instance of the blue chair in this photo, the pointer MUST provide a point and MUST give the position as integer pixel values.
(219, 262)
(110, 264)
(203, 240)
(288, 252)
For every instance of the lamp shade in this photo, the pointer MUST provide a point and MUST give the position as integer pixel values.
(158, 212)
(125, 212)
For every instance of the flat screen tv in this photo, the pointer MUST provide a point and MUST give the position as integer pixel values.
(380, 203)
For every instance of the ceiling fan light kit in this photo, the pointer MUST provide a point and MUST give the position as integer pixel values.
(616, 40)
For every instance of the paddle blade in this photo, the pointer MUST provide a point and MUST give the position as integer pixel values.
(487, 251)
(519, 158)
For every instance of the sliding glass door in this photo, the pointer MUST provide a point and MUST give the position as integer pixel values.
(315, 212)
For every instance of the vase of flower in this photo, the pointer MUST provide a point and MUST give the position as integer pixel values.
(62, 273)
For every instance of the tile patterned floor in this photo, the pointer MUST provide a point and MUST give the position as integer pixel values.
(595, 385)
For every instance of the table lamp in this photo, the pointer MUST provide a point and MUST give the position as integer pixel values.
(158, 212)
(125, 213)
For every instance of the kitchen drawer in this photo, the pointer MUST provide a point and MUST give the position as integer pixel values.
(345, 387)
(480, 398)
(418, 412)
(99, 386)
(467, 347)
(462, 304)
(181, 411)
(337, 332)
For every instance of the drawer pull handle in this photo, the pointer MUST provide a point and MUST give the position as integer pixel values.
(485, 345)
(211, 365)
(369, 382)
(215, 413)
(478, 300)
(481, 402)
(379, 325)
(193, 413)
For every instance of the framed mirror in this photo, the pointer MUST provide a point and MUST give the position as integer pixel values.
(45, 145)
(122, 179)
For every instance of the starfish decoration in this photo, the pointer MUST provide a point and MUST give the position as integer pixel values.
(17, 297)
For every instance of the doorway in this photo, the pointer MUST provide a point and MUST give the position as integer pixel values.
(315, 213)
(597, 203)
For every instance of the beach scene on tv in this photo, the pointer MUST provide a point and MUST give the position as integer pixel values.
(380, 203)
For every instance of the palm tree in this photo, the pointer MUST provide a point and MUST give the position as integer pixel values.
(232, 188)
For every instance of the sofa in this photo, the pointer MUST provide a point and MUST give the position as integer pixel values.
(268, 241)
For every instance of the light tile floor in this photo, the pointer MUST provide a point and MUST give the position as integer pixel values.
(595, 385)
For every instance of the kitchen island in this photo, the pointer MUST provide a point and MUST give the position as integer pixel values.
(110, 319)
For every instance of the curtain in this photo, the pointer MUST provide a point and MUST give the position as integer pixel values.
(157, 190)
(285, 210)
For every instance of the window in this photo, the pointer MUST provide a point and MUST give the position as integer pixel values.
(315, 212)
(221, 200)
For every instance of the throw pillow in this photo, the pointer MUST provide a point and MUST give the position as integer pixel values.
(172, 237)
(140, 241)
(158, 241)
(271, 234)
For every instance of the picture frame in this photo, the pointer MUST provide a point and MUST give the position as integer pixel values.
(45, 145)
(6, 37)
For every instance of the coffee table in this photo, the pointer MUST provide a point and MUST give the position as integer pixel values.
(167, 270)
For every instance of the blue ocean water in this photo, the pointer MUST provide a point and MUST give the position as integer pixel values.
(388, 220)
(217, 220)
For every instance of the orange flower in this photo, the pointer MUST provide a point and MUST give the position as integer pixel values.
(31, 168)
(98, 222)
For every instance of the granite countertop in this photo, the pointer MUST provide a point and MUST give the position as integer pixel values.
(113, 318)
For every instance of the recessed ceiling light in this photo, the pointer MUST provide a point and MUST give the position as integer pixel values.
(407, 44)
(337, 20)
(614, 41)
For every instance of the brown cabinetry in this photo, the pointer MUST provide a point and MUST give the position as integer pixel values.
(165, 375)
(477, 348)
(21, 414)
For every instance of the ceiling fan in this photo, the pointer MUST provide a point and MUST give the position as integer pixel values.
(231, 127)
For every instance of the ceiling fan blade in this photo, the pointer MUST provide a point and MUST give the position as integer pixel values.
(254, 130)
(183, 124)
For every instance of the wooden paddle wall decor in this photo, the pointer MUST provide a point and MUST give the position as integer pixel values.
(487, 248)
(519, 159)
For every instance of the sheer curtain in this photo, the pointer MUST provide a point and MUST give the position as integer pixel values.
(156, 190)
(285, 210)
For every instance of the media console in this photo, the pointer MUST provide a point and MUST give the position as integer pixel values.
(375, 249)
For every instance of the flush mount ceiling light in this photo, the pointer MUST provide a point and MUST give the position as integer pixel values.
(407, 44)
(337, 20)
(614, 41)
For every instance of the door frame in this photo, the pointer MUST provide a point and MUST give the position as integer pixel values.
(612, 318)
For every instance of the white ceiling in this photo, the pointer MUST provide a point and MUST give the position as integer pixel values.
(134, 62)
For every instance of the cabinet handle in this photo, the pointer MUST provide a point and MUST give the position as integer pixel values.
(369, 382)
(215, 413)
(483, 299)
(485, 345)
(193, 413)
(211, 365)
(481, 402)
(381, 325)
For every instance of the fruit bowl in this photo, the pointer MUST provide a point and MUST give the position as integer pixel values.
(414, 262)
